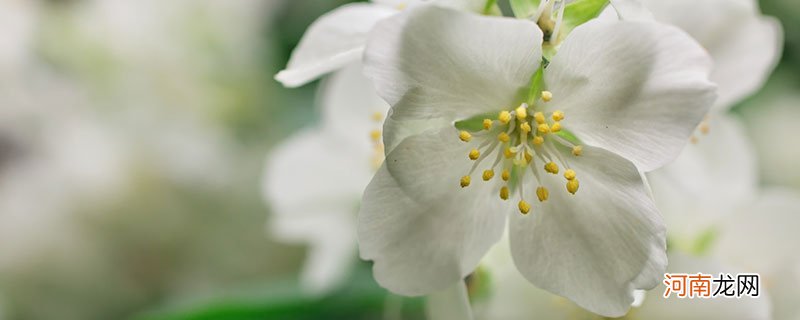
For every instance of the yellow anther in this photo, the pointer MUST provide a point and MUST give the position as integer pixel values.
(558, 115)
(487, 124)
(572, 186)
(504, 193)
(539, 117)
(465, 181)
(377, 116)
(704, 128)
(375, 135)
(528, 157)
(474, 154)
(569, 174)
(464, 136)
(543, 128)
(693, 140)
(505, 175)
(522, 112)
(556, 127)
(547, 96)
(577, 151)
(504, 117)
(538, 140)
(503, 137)
(524, 207)
(488, 174)
(551, 167)
(401, 6)
(542, 193)
(508, 153)
(525, 127)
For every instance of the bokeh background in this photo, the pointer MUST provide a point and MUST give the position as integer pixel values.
(132, 143)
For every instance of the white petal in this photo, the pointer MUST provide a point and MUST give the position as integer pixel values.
(513, 297)
(655, 306)
(439, 65)
(597, 246)
(331, 239)
(641, 97)
(449, 304)
(762, 237)
(745, 45)
(476, 6)
(707, 181)
(631, 10)
(313, 184)
(313, 171)
(333, 41)
(422, 230)
(349, 104)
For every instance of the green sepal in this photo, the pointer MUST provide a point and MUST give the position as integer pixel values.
(524, 9)
(581, 11)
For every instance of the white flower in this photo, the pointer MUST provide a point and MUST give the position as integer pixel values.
(313, 181)
(631, 92)
(745, 45)
(337, 38)
(712, 205)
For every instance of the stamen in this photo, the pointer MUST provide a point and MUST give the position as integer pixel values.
(572, 186)
(504, 117)
(538, 140)
(509, 153)
(505, 175)
(539, 117)
(547, 96)
(465, 181)
(556, 127)
(524, 207)
(464, 136)
(488, 174)
(543, 128)
(542, 193)
(487, 124)
(551, 167)
(522, 112)
(377, 116)
(375, 135)
(569, 174)
(557, 29)
(558, 115)
(577, 151)
(504, 193)
(474, 154)
(525, 127)
(503, 137)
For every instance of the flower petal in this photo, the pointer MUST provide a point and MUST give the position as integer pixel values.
(312, 186)
(631, 10)
(439, 65)
(476, 6)
(655, 306)
(312, 170)
(333, 41)
(761, 235)
(422, 230)
(449, 304)
(349, 105)
(732, 32)
(596, 247)
(640, 97)
(708, 180)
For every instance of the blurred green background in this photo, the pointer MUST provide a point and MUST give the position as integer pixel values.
(132, 141)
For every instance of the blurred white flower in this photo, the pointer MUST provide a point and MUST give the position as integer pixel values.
(337, 38)
(744, 44)
(773, 117)
(713, 207)
(313, 181)
(437, 67)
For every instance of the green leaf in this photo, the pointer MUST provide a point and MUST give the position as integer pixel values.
(524, 9)
(362, 298)
(580, 11)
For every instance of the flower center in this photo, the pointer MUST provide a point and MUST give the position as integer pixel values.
(521, 140)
